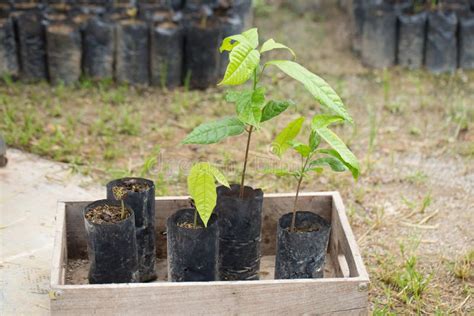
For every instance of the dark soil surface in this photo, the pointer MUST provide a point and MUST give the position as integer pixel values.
(106, 214)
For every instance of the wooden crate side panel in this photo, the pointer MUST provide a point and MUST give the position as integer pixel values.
(274, 206)
(59, 259)
(343, 246)
(221, 298)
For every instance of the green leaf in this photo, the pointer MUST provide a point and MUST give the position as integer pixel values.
(314, 140)
(324, 120)
(333, 153)
(302, 149)
(334, 163)
(218, 176)
(274, 108)
(319, 88)
(271, 45)
(243, 57)
(202, 188)
(249, 105)
(213, 132)
(282, 141)
(341, 149)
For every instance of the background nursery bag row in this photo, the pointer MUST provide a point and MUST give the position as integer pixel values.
(146, 43)
(411, 33)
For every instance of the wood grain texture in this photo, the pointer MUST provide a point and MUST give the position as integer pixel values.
(345, 294)
(292, 297)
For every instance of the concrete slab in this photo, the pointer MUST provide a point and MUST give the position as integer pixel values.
(29, 190)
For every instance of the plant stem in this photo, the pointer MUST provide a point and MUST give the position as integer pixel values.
(242, 181)
(122, 215)
(195, 218)
(293, 218)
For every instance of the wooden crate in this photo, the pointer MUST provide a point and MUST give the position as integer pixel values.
(343, 290)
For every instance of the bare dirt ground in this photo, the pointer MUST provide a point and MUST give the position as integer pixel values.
(412, 209)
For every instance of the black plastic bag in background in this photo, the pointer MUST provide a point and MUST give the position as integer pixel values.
(379, 37)
(64, 53)
(243, 8)
(441, 42)
(231, 25)
(166, 60)
(466, 42)
(99, 48)
(195, 5)
(32, 46)
(201, 53)
(8, 53)
(132, 55)
(411, 40)
(5, 10)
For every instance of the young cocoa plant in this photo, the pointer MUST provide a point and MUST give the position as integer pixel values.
(202, 189)
(313, 158)
(120, 194)
(252, 106)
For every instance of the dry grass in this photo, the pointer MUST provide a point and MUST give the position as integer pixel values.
(414, 136)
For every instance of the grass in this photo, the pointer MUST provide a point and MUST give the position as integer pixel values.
(414, 131)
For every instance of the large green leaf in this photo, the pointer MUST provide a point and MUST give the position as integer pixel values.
(213, 132)
(249, 105)
(319, 88)
(324, 120)
(282, 141)
(271, 45)
(340, 149)
(274, 108)
(314, 140)
(334, 163)
(202, 188)
(243, 57)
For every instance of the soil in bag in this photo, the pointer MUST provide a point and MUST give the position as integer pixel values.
(111, 243)
(139, 194)
(240, 225)
(441, 42)
(8, 52)
(411, 40)
(379, 37)
(32, 46)
(201, 52)
(192, 250)
(301, 254)
(132, 64)
(99, 48)
(466, 41)
(64, 53)
(167, 43)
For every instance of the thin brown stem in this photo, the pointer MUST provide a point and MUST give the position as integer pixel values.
(122, 215)
(242, 181)
(293, 218)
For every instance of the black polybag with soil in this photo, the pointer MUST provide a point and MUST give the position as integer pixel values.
(411, 40)
(379, 37)
(466, 42)
(240, 225)
(8, 51)
(166, 59)
(201, 53)
(99, 48)
(132, 63)
(142, 202)
(192, 252)
(111, 247)
(32, 46)
(441, 42)
(64, 51)
(301, 254)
